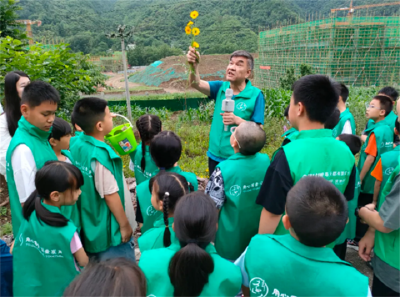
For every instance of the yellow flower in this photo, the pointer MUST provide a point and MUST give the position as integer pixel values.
(207, 170)
(195, 44)
(195, 31)
(189, 24)
(188, 30)
(194, 14)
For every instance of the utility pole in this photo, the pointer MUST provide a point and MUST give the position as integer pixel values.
(122, 35)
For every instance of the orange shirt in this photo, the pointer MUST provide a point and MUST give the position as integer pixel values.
(371, 148)
(377, 172)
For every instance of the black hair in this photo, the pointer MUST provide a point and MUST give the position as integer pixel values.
(195, 224)
(353, 142)
(171, 187)
(286, 112)
(390, 92)
(60, 128)
(319, 95)
(250, 137)
(12, 101)
(344, 92)
(38, 92)
(112, 277)
(73, 123)
(333, 119)
(317, 211)
(88, 112)
(397, 125)
(148, 126)
(166, 149)
(386, 104)
(53, 176)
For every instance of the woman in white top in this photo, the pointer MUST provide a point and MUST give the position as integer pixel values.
(15, 82)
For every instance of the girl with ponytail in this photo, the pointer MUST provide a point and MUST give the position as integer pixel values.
(166, 188)
(47, 248)
(191, 267)
(141, 162)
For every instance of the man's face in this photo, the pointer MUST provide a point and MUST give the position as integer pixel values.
(238, 69)
(41, 116)
(374, 110)
(108, 121)
(293, 112)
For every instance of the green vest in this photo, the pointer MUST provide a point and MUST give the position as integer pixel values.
(143, 195)
(244, 106)
(384, 143)
(321, 155)
(387, 245)
(389, 120)
(240, 215)
(74, 138)
(288, 136)
(37, 141)
(72, 211)
(350, 229)
(389, 161)
(150, 169)
(43, 262)
(225, 280)
(154, 238)
(344, 117)
(282, 266)
(99, 226)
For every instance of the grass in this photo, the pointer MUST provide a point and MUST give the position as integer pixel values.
(5, 229)
(165, 96)
(134, 89)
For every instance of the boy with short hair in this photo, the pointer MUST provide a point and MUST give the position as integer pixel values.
(234, 186)
(107, 215)
(292, 132)
(29, 149)
(299, 264)
(346, 124)
(314, 152)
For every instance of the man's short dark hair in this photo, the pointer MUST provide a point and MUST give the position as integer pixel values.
(319, 95)
(386, 103)
(333, 120)
(251, 138)
(344, 92)
(38, 92)
(353, 142)
(390, 92)
(317, 211)
(88, 112)
(247, 55)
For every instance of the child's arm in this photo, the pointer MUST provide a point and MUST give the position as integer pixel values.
(12, 247)
(377, 188)
(367, 166)
(113, 202)
(372, 151)
(81, 257)
(377, 173)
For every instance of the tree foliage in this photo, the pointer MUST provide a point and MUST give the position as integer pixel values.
(286, 82)
(145, 55)
(8, 17)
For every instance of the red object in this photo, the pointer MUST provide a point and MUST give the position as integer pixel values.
(265, 67)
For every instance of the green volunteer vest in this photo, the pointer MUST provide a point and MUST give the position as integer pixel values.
(344, 117)
(321, 155)
(384, 143)
(389, 161)
(71, 211)
(150, 169)
(225, 280)
(37, 141)
(350, 229)
(245, 101)
(143, 195)
(74, 138)
(282, 266)
(290, 133)
(387, 245)
(154, 238)
(389, 120)
(99, 226)
(43, 263)
(240, 215)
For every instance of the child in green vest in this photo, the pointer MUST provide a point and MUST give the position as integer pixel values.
(113, 278)
(141, 162)
(346, 124)
(354, 144)
(165, 149)
(76, 131)
(47, 248)
(292, 132)
(191, 266)
(379, 141)
(234, 186)
(166, 190)
(314, 152)
(107, 214)
(299, 264)
(29, 148)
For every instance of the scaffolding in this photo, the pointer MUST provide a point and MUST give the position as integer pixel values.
(109, 63)
(358, 51)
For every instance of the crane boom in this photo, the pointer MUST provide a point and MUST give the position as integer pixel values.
(28, 24)
(352, 8)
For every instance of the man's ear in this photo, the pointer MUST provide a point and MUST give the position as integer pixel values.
(300, 109)
(99, 126)
(286, 222)
(24, 109)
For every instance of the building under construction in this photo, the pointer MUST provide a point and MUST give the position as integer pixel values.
(358, 51)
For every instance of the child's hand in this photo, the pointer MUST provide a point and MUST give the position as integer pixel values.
(366, 245)
(126, 233)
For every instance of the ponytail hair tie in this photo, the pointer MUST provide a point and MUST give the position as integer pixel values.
(166, 194)
(195, 241)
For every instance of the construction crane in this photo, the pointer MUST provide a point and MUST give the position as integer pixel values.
(352, 8)
(28, 24)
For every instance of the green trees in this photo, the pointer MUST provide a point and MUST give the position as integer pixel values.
(145, 55)
(8, 15)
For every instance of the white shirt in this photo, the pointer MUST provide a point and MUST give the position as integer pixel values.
(5, 139)
(24, 168)
(347, 128)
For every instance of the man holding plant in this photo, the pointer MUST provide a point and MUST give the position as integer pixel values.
(249, 101)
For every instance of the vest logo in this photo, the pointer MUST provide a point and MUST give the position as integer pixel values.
(258, 287)
(235, 191)
(21, 239)
(386, 144)
(241, 106)
(389, 171)
(150, 211)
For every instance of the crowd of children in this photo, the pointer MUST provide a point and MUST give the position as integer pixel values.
(262, 227)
